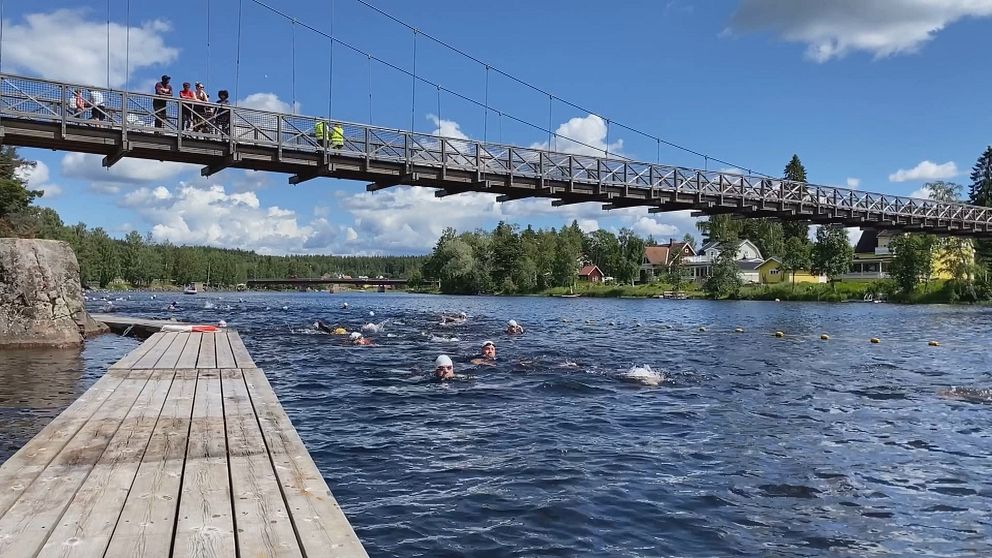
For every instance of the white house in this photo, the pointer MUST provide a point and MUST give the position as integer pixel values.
(748, 260)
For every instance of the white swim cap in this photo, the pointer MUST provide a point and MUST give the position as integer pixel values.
(222, 323)
(487, 343)
(462, 315)
(355, 335)
(442, 360)
(345, 305)
(371, 313)
(512, 323)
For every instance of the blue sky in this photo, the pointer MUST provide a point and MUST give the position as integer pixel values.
(882, 95)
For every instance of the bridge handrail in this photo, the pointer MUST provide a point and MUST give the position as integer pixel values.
(125, 111)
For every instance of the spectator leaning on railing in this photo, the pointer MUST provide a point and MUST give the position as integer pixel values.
(97, 109)
(162, 89)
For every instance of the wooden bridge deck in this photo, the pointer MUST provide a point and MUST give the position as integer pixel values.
(181, 449)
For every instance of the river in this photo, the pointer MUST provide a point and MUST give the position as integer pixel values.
(752, 445)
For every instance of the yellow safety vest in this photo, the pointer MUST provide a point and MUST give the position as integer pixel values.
(337, 135)
(318, 129)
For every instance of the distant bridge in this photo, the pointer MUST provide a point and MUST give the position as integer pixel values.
(308, 282)
(39, 113)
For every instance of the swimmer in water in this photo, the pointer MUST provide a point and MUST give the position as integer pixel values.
(321, 325)
(443, 368)
(357, 339)
(972, 395)
(513, 328)
(487, 355)
(457, 319)
(172, 307)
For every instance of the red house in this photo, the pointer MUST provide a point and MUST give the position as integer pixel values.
(591, 273)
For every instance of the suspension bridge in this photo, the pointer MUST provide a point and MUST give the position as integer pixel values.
(40, 113)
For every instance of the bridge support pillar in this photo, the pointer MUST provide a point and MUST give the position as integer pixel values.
(117, 155)
(224, 163)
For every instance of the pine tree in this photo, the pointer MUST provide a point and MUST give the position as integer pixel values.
(980, 193)
(795, 172)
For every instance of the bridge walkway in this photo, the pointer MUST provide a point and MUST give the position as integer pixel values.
(180, 450)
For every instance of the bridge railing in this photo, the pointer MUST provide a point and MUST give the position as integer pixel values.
(124, 111)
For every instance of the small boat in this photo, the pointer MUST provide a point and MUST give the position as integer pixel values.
(572, 295)
(190, 290)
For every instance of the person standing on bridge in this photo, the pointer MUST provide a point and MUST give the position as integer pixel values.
(97, 110)
(223, 115)
(186, 96)
(162, 89)
(203, 112)
(337, 136)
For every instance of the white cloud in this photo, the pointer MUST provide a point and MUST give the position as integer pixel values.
(65, 45)
(209, 215)
(446, 128)
(270, 102)
(37, 179)
(589, 135)
(649, 226)
(85, 166)
(835, 28)
(921, 193)
(853, 182)
(588, 225)
(926, 170)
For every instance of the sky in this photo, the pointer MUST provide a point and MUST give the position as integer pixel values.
(883, 96)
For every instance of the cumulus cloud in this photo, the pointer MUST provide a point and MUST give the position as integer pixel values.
(588, 225)
(37, 179)
(270, 102)
(853, 182)
(446, 128)
(585, 135)
(835, 28)
(926, 170)
(649, 226)
(65, 45)
(85, 166)
(210, 215)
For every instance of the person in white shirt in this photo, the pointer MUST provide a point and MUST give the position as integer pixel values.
(97, 110)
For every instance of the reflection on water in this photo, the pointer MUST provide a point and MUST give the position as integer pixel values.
(619, 428)
(37, 385)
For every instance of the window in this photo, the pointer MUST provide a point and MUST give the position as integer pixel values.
(775, 271)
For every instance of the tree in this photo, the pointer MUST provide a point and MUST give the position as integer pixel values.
(798, 256)
(631, 256)
(980, 193)
(795, 172)
(688, 239)
(725, 280)
(943, 191)
(677, 275)
(832, 253)
(14, 194)
(912, 261)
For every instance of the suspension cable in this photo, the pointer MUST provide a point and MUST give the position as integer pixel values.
(485, 111)
(372, 57)
(413, 93)
(237, 59)
(207, 77)
(370, 89)
(293, 86)
(330, 67)
(127, 45)
(539, 89)
(108, 44)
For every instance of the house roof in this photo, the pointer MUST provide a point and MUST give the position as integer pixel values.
(868, 242)
(749, 265)
(656, 255)
(588, 269)
(708, 245)
(770, 260)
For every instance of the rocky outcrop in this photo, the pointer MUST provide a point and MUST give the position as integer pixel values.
(41, 299)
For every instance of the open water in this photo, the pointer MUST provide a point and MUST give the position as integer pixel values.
(749, 445)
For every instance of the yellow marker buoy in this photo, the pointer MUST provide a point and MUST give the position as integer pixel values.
(934, 343)
(779, 334)
(825, 337)
(739, 330)
(875, 340)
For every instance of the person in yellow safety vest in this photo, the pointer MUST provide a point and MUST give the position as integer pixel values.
(337, 136)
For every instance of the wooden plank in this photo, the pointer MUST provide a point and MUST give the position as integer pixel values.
(27, 524)
(205, 524)
(241, 356)
(155, 353)
(18, 472)
(264, 526)
(225, 353)
(132, 357)
(322, 527)
(88, 522)
(190, 352)
(208, 352)
(171, 355)
(149, 515)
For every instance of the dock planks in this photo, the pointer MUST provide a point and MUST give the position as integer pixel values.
(180, 450)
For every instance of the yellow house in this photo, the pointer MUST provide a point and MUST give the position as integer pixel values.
(770, 272)
(873, 256)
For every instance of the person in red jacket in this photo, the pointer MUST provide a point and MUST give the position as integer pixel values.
(186, 96)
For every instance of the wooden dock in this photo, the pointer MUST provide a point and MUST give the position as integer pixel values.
(141, 328)
(180, 450)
